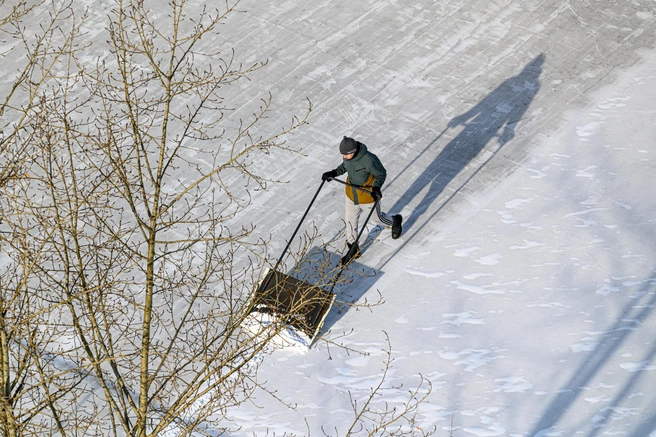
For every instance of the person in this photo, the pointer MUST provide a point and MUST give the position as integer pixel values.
(365, 176)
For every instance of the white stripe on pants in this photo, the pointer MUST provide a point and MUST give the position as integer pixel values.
(352, 217)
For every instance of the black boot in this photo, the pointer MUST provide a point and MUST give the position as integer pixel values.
(397, 228)
(352, 253)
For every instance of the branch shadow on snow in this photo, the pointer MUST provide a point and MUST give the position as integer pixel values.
(496, 116)
(627, 323)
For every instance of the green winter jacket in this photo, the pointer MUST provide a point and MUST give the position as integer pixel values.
(364, 169)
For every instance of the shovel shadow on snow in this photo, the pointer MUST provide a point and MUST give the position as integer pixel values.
(320, 267)
(496, 116)
(638, 369)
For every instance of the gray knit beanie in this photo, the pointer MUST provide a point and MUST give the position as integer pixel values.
(348, 146)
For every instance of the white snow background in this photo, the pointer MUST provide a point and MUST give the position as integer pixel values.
(519, 139)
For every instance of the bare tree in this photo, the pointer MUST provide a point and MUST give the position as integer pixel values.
(37, 380)
(34, 53)
(144, 181)
(133, 265)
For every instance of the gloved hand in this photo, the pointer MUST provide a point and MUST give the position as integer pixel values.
(327, 176)
(376, 194)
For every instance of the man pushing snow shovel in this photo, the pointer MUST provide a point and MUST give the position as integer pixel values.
(366, 176)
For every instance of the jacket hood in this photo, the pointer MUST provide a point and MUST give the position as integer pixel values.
(362, 150)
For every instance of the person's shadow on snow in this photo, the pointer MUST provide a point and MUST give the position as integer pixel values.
(497, 115)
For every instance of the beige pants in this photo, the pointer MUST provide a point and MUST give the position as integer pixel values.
(352, 217)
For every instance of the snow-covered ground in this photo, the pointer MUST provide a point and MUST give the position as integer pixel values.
(530, 308)
(519, 141)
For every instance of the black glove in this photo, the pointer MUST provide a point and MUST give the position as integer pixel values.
(327, 176)
(376, 194)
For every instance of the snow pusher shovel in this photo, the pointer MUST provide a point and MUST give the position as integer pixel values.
(294, 302)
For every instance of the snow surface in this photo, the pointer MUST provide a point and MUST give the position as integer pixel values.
(519, 140)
